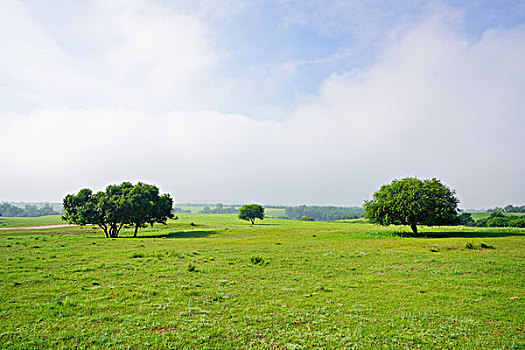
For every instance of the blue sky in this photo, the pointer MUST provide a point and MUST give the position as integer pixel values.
(277, 101)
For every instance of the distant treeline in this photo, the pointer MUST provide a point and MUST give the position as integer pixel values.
(508, 209)
(323, 213)
(496, 219)
(180, 210)
(29, 210)
(219, 209)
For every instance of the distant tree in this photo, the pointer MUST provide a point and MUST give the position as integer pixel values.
(411, 201)
(205, 210)
(466, 219)
(306, 218)
(251, 212)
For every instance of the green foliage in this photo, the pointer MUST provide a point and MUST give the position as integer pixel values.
(472, 246)
(306, 218)
(498, 219)
(251, 212)
(413, 202)
(466, 219)
(117, 206)
(323, 213)
(147, 207)
(257, 260)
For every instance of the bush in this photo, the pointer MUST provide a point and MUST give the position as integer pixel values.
(517, 222)
(306, 218)
(497, 221)
(257, 260)
(465, 219)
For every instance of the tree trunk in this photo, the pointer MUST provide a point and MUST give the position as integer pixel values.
(414, 229)
(253, 221)
(136, 229)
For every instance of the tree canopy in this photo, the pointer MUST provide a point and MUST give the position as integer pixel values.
(411, 201)
(251, 212)
(117, 206)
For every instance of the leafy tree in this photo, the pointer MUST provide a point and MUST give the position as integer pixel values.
(251, 212)
(117, 206)
(205, 210)
(107, 209)
(413, 202)
(147, 206)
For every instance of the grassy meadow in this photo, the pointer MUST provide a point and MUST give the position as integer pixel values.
(215, 282)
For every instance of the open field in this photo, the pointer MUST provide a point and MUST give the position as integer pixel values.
(27, 221)
(280, 284)
(484, 215)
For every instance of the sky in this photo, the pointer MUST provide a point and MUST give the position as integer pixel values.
(272, 102)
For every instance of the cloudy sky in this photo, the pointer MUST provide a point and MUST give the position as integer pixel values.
(267, 101)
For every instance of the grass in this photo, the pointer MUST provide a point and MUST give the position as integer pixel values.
(279, 284)
(25, 222)
(484, 215)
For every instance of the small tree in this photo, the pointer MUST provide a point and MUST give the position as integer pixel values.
(251, 212)
(413, 202)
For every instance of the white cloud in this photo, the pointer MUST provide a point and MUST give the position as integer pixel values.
(435, 104)
(139, 54)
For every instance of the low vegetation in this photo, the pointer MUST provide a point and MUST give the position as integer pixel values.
(222, 283)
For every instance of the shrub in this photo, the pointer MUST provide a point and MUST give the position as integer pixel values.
(517, 222)
(257, 260)
(498, 221)
(306, 218)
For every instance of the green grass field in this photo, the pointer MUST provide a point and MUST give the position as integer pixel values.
(484, 215)
(26, 222)
(280, 284)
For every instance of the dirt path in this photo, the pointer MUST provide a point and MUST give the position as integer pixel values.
(35, 227)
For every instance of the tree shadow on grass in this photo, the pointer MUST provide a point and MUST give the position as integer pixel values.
(180, 234)
(462, 234)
